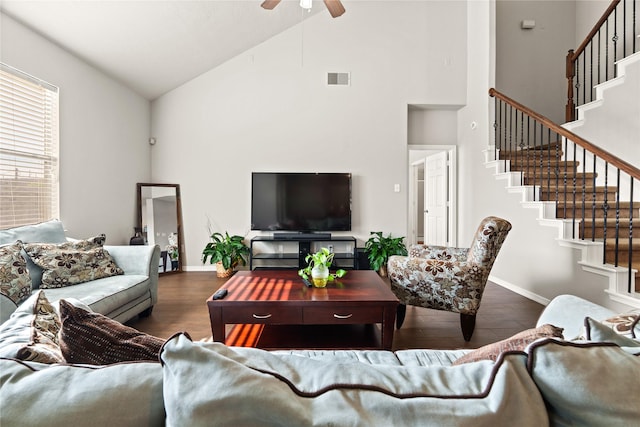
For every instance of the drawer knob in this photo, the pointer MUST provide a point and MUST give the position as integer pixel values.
(258, 316)
(342, 316)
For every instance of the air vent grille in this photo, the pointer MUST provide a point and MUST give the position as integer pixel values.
(338, 79)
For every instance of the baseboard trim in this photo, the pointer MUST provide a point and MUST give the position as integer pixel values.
(199, 268)
(520, 291)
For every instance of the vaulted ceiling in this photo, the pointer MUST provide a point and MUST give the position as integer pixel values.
(153, 46)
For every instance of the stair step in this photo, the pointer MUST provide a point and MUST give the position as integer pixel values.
(623, 262)
(556, 145)
(588, 189)
(623, 256)
(549, 146)
(561, 174)
(599, 209)
(623, 245)
(597, 225)
(531, 154)
(588, 196)
(533, 165)
(543, 179)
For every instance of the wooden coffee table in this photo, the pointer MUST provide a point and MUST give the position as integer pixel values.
(279, 297)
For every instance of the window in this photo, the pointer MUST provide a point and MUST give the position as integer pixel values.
(28, 149)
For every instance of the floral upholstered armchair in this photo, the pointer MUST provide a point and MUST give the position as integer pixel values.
(446, 278)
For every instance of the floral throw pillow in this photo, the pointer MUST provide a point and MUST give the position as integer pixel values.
(71, 263)
(625, 323)
(31, 333)
(44, 346)
(15, 282)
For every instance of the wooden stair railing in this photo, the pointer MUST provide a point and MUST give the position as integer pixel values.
(591, 187)
(612, 38)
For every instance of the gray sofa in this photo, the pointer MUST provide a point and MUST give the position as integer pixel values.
(119, 297)
(552, 382)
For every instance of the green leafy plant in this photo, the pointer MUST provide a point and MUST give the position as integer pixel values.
(324, 257)
(229, 250)
(379, 248)
(172, 251)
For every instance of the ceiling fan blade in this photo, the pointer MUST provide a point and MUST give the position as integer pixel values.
(269, 4)
(334, 7)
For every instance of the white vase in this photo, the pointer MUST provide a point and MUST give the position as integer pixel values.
(319, 276)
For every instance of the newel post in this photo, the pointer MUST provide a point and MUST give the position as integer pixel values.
(570, 109)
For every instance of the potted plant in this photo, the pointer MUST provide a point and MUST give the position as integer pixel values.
(226, 252)
(318, 268)
(379, 248)
(172, 251)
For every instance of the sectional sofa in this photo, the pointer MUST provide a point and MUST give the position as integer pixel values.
(590, 378)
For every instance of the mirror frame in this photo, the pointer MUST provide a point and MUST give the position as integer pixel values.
(139, 187)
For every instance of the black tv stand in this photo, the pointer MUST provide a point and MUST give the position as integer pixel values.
(291, 251)
(295, 235)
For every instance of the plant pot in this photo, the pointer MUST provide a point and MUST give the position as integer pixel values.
(319, 276)
(221, 272)
(382, 271)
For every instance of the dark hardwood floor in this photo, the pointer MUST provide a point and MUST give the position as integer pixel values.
(181, 307)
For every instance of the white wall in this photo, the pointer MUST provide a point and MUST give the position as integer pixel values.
(269, 110)
(587, 14)
(104, 128)
(472, 204)
(432, 126)
(612, 123)
(530, 64)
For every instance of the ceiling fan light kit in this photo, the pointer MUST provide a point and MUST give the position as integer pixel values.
(334, 7)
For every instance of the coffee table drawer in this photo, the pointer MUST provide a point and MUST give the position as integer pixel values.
(338, 314)
(266, 315)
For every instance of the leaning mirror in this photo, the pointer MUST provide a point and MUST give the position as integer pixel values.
(160, 223)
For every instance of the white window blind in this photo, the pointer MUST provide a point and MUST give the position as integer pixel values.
(28, 149)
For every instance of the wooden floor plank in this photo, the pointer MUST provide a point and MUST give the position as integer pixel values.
(181, 308)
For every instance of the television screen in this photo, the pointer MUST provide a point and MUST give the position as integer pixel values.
(301, 201)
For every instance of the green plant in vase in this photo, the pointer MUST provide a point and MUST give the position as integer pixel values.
(379, 248)
(318, 268)
(226, 252)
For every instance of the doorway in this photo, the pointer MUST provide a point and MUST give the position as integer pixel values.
(432, 195)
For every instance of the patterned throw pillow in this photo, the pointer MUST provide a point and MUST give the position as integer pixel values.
(45, 327)
(92, 338)
(600, 332)
(518, 342)
(72, 263)
(624, 324)
(15, 281)
(32, 334)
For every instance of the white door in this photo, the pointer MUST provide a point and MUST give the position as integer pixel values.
(436, 189)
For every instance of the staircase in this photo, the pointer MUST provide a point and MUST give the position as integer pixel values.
(553, 180)
(575, 186)
(586, 191)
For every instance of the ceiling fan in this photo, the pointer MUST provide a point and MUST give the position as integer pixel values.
(334, 7)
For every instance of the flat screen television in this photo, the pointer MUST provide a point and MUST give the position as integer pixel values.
(301, 202)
